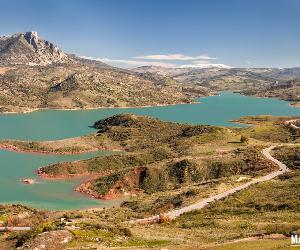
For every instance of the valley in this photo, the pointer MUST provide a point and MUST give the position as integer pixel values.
(149, 157)
(45, 77)
(132, 156)
(183, 165)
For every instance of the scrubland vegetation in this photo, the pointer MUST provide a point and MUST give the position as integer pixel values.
(165, 166)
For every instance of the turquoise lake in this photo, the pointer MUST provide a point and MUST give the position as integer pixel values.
(52, 125)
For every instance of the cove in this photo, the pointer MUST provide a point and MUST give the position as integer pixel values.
(53, 125)
(45, 194)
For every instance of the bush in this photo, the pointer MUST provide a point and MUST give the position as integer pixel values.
(164, 218)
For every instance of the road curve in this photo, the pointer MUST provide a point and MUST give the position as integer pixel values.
(203, 203)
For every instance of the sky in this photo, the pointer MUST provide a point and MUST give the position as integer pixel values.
(173, 33)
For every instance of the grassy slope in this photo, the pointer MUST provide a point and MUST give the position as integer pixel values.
(262, 210)
(269, 129)
(162, 156)
(75, 145)
(290, 155)
(233, 218)
(288, 90)
(265, 209)
(81, 85)
(264, 128)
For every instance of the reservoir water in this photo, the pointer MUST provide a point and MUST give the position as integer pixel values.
(48, 194)
(52, 125)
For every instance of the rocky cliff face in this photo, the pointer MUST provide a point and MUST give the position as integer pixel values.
(28, 48)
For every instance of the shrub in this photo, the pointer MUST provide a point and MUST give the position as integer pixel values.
(164, 218)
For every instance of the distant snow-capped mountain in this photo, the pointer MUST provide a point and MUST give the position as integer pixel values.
(206, 66)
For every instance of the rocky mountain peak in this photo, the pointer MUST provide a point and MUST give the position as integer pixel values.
(30, 49)
(32, 38)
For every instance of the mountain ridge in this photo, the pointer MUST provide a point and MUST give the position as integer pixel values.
(28, 48)
(36, 74)
(281, 83)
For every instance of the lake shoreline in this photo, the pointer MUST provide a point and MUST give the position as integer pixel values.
(83, 187)
(295, 104)
(9, 147)
(31, 110)
(47, 126)
(99, 108)
(38, 152)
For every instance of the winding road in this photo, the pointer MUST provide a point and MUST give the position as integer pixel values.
(203, 203)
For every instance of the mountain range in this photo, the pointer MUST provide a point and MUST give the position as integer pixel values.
(36, 74)
(283, 83)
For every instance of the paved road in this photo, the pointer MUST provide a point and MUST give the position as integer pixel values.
(175, 213)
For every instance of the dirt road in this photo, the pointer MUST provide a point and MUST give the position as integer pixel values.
(175, 213)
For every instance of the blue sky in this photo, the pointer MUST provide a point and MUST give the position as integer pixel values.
(128, 33)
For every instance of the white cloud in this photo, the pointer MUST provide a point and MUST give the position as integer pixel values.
(175, 57)
(203, 61)
(206, 65)
(132, 63)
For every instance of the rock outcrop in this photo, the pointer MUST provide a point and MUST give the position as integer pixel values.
(28, 48)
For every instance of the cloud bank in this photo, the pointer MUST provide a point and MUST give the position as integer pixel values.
(174, 61)
(133, 63)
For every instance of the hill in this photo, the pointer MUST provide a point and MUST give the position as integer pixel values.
(160, 156)
(288, 90)
(36, 74)
(166, 166)
(263, 82)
